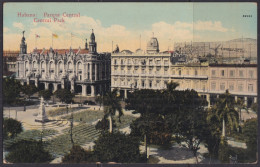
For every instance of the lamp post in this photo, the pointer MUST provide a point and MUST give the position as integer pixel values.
(71, 126)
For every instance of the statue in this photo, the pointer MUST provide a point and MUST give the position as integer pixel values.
(42, 117)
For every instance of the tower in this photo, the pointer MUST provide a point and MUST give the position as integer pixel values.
(23, 45)
(92, 43)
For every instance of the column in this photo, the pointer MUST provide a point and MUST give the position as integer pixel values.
(36, 82)
(125, 93)
(255, 99)
(100, 71)
(96, 72)
(217, 96)
(84, 90)
(55, 87)
(235, 98)
(28, 80)
(93, 93)
(90, 71)
(22, 83)
(62, 83)
(208, 99)
(245, 99)
(46, 85)
(72, 86)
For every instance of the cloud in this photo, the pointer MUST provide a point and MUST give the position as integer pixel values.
(81, 28)
(209, 26)
(6, 29)
(18, 25)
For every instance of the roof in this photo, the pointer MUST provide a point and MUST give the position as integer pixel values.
(233, 65)
(61, 51)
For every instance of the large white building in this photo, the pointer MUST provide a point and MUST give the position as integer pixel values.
(80, 70)
(153, 70)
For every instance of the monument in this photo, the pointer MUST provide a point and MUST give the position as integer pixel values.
(42, 117)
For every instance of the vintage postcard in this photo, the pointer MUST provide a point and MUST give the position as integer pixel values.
(154, 83)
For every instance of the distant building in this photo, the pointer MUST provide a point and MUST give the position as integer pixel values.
(82, 71)
(9, 62)
(153, 70)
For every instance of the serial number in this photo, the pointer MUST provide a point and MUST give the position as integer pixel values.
(247, 16)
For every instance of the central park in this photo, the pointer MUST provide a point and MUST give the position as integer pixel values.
(150, 126)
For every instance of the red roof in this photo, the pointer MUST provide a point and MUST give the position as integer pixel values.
(61, 51)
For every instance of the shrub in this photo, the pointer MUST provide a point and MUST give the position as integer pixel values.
(11, 128)
(117, 147)
(78, 155)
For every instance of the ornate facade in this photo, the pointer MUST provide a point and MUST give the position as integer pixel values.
(82, 71)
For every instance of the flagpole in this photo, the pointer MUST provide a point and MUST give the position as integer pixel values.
(52, 41)
(71, 40)
(35, 41)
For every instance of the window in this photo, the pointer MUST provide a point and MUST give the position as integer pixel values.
(115, 62)
(158, 83)
(135, 84)
(222, 86)
(128, 61)
(143, 71)
(166, 63)
(240, 87)
(150, 62)
(173, 72)
(250, 88)
(151, 84)
(122, 61)
(165, 71)
(143, 84)
(179, 72)
(251, 74)
(241, 73)
(213, 85)
(213, 72)
(231, 87)
(222, 73)
(158, 62)
(150, 70)
(196, 72)
(157, 70)
(232, 73)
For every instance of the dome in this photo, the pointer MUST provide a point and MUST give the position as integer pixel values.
(153, 45)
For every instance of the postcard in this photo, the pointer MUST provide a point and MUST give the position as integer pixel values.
(127, 83)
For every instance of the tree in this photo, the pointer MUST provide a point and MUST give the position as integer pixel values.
(64, 95)
(223, 152)
(250, 133)
(112, 105)
(11, 128)
(254, 107)
(224, 109)
(11, 90)
(117, 147)
(191, 124)
(29, 90)
(99, 100)
(240, 105)
(78, 155)
(28, 151)
(213, 134)
(46, 94)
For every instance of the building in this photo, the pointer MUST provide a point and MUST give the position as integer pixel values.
(153, 70)
(239, 79)
(82, 71)
(9, 62)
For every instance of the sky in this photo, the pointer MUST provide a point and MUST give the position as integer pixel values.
(130, 25)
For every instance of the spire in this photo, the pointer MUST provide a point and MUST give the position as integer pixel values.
(23, 45)
(86, 44)
(92, 43)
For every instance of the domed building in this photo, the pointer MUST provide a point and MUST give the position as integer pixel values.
(82, 71)
(153, 46)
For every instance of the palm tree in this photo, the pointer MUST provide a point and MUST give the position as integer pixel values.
(225, 110)
(112, 105)
(240, 104)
